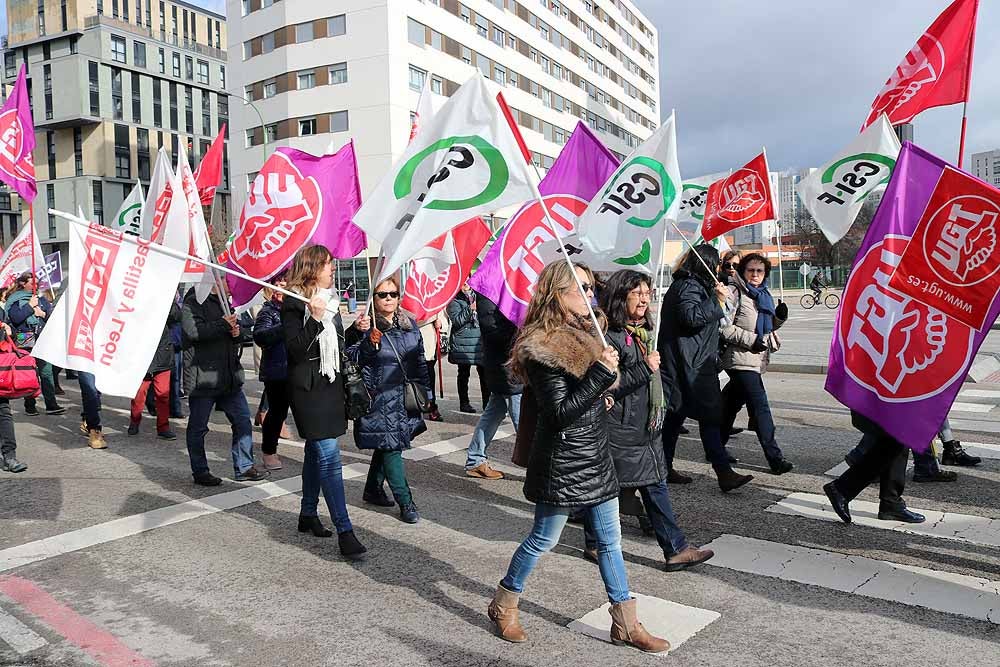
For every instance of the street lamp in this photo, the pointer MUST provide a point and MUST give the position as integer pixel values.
(253, 106)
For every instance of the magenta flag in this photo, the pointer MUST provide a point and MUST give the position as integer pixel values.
(508, 273)
(296, 199)
(17, 141)
(894, 359)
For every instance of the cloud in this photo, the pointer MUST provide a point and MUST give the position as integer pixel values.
(800, 77)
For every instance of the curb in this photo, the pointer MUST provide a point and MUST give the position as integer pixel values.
(803, 369)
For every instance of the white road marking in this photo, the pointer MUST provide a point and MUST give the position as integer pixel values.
(980, 449)
(979, 393)
(978, 530)
(674, 622)
(971, 407)
(18, 636)
(945, 592)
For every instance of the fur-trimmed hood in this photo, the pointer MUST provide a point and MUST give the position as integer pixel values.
(568, 348)
(404, 321)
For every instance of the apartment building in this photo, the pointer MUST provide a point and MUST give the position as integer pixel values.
(315, 75)
(111, 81)
(986, 165)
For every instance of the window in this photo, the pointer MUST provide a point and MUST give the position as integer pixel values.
(499, 74)
(466, 55)
(123, 152)
(267, 43)
(9, 65)
(46, 51)
(223, 111)
(74, 46)
(117, 48)
(338, 121)
(176, 57)
(307, 126)
(173, 106)
(271, 132)
(62, 12)
(116, 94)
(306, 80)
(270, 88)
(98, 202)
(248, 142)
(499, 37)
(50, 198)
(41, 17)
(47, 74)
(136, 98)
(157, 104)
(95, 89)
(50, 146)
(417, 78)
(246, 7)
(247, 50)
(416, 32)
(222, 77)
(303, 33)
(163, 62)
(188, 110)
(338, 73)
(248, 92)
(203, 72)
(336, 26)
(437, 85)
(142, 151)
(189, 68)
(139, 54)
(77, 151)
(482, 26)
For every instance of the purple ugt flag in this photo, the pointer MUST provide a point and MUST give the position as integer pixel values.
(893, 359)
(297, 199)
(17, 141)
(509, 272)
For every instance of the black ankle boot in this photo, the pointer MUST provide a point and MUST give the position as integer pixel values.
(955, 455)
(730, 480)
(312, 524)
(350, 548)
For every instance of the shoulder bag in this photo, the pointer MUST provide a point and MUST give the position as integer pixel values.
(415, 396)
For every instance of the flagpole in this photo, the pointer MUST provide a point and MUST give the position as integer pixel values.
(659, 288)
(220, 283)
(31, 232)
(968, 86)
(777, 220)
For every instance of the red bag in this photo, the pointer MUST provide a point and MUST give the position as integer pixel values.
(18, 378)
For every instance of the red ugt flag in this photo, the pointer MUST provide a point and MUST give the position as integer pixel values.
(208, 175)
(17, 141)
(952, 263)
(936, 70)
(744, 198)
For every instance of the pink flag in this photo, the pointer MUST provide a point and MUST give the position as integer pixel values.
(17, 141)
(296, 199)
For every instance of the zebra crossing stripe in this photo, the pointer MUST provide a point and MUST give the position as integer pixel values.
(19, 636)
(959, 594)
(675, 622)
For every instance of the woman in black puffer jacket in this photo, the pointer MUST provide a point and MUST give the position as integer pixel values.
(560, 356)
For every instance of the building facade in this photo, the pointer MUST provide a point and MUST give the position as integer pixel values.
(317, 75)
(110, 82)
(986, 165)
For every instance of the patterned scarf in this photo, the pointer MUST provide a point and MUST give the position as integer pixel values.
(657, 405)
(329, 346)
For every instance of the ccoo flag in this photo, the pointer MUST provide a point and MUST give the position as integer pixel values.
(128, 219)
(894, 359)
(464, 163)
(935, 72)
(835, 193)
(624, 223)
(742, 198)
(17, 257)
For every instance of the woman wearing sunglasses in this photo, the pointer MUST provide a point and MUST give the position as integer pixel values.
(391, 356)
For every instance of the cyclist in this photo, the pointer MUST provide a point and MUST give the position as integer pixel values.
(817, 285)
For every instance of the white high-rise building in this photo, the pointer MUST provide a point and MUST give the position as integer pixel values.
(323, 73)
(986, 165)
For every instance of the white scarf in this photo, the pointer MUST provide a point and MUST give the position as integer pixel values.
(329, 344)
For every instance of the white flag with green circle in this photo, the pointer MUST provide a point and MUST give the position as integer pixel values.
(835, 193)
(464, 163)
(624, 222)
(128, 220)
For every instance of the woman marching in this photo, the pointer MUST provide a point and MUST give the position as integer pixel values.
(636, 417)
(315, 387)
(559, 356)
(269, 335)
(391, 357)
(466, 348)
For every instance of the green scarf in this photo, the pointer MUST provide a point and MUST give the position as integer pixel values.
(657, 406)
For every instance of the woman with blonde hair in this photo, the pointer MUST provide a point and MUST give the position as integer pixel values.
(559, 356)
(313, 342)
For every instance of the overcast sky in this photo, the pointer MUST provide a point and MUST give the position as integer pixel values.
(800, 77)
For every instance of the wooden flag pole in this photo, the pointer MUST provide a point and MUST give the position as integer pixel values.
(659, 286)
(968, 86)
(31, 234)
(777, 221)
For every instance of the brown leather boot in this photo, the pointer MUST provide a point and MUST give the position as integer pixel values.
(503, 612)
(626, 629)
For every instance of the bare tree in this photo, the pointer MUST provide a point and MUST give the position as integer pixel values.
(843, 251)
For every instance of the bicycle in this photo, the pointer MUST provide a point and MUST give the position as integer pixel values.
(809, 299)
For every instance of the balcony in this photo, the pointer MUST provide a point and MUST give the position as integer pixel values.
(160, 36)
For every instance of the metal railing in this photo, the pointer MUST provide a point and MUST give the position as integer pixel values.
(160, 36)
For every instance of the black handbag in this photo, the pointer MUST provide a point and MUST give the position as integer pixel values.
(357, 400)
(414, 395)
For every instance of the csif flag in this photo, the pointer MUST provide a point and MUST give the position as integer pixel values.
(296, 199)
(208, 175)
(128, 219)
(835, 193)
(893, 358)
(935, 72)
(17, 257)
(624, 224)
(742, 198)
(17, 140)
(464, 163)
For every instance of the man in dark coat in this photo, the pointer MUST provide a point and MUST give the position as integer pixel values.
(466, 346)
(158, 376)
(498, 334)
(213, 376)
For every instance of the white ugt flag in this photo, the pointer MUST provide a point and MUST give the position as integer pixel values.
(16, 258)
(625, 221)
(128, 219)
(119, 292)
(835, 193)
(464, 163)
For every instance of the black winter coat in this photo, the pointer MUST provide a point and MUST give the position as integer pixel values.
(22, 318)
(211, 354)
(689, 349)
(570, 463)
(163, 359)
(466, 339)
(388, 426)
(269, 334)
(317, 403)
(499, 334)
(637, 452)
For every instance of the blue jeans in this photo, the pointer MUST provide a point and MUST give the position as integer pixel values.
(496, 409)
(91, 399)
(748, 387)
(711, 441)
(549, 523)
(322, 470)
(656, 502)
(237, 412)
(176, 375)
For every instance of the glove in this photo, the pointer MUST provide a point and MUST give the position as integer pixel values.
(781, 311)
(758, 345)
(375, 336)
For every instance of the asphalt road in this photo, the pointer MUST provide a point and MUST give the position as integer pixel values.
(113, 557)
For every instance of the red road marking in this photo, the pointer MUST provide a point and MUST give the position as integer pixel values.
(93, 640)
